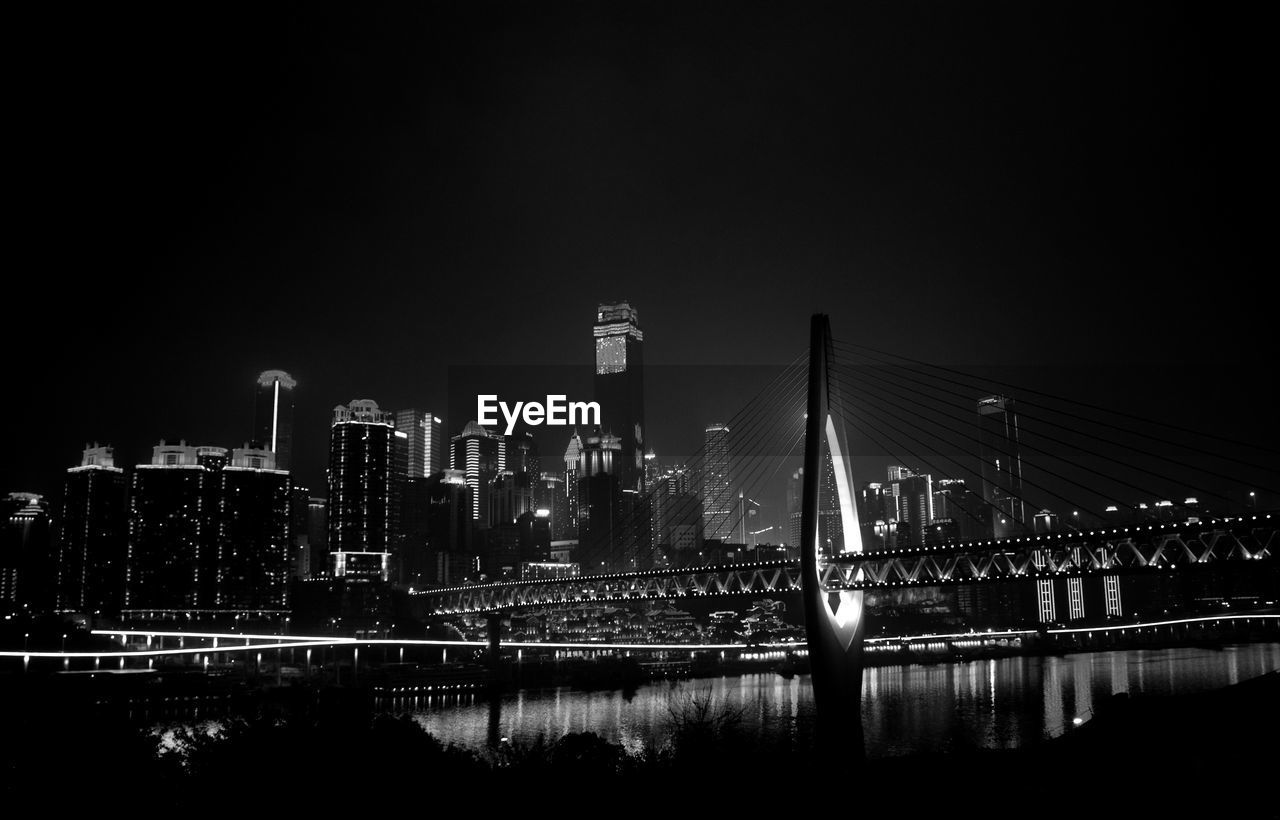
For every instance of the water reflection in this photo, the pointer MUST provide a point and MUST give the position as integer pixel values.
(992, 704)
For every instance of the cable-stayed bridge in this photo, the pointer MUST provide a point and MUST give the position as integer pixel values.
(1016, 457)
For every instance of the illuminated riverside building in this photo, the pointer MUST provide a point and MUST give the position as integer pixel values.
(208, 532)
(619, 387)
(361, 472)
(95, 535)
(273, 415)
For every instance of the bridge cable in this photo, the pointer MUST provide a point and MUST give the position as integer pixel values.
(741, 446)
(752, 417)
(888, 371)
(1027, 446)
(1012, 494)
(850, 347)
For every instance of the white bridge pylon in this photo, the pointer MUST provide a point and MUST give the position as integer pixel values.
(834, 619)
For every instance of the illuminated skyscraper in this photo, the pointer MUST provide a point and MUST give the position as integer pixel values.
(912, 494)
(619, 386)
(522, 455)
(95, 530)
(361, 472)
(599, 499)
(424, 439)
(954, 501)
(718, 499)
(551, 496)
(1001, 465)
(572, 457)
(273, 415)
(481, 456)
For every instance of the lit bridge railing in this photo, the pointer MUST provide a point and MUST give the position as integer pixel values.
(1119, 550)
(1142, 548)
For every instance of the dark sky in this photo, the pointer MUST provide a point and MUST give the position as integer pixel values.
(365, 199)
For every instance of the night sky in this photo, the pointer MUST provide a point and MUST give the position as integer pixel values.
(367, 199)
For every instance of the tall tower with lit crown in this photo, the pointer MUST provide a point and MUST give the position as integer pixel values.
(619, 386)
(273, 415)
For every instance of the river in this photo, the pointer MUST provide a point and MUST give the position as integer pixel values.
(1002, 703)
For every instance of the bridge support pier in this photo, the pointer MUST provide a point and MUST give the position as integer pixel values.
(493, 621)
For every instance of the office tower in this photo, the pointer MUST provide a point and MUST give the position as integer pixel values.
(399, 479)
(718, 499)
(535, 537)
(830, 524)
(572, 459)
(317, 537)
(619, 386)
(551, 496)
(95, 535)
(522, 454)
(253, 533)
(599, 499)
(510, 496)
(424, 444)
(679, 515)
(299, 535)
(871, 504)
(26, 563)
(1001, 465)
(953, 500)
(1045, 521)
(361, 473)
(171, 562)
(872, 516)
(830, 532)
(273, 415)
(795, 496)
(480, 455)
(912, 494)
(448, 529)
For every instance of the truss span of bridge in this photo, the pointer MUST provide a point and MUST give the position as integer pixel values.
(1141, 549)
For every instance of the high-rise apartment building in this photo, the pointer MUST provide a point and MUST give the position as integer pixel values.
(360, 511)
(95, 535)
